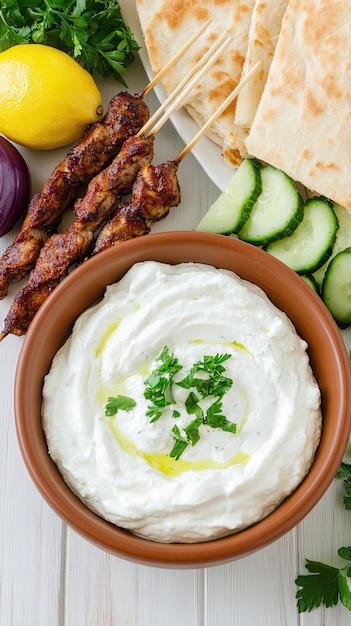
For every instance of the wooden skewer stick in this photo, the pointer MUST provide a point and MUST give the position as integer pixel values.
(219, 111)
(184, 81)
(178, 102)
(174, 59)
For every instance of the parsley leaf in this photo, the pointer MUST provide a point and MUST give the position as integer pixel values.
(215, 419)
(91, 31)
(214, 383)
(321, 586)
(324, 585)
(192, 431)
(116, 403)
(192, 405)
(327, 584)
(159, 384)
(180, 444)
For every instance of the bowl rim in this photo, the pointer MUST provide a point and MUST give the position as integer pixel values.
(121, 542)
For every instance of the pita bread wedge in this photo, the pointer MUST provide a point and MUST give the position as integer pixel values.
(264, 31)
(168, 25)
(303, 122)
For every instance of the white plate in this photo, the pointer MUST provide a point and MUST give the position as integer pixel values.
(207, 153)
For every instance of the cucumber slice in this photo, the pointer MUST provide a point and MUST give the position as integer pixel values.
(311, 281)
(232, 208)
(336, 288)
(277, 211)
(312, 242)
(342, 241)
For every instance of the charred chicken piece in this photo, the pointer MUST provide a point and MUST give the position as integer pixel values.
(155, 191)
(125, 116)
(63, 249)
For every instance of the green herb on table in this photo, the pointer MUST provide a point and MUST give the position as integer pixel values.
(91, 31)
(326, 584)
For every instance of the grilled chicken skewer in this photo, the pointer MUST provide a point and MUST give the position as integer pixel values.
(63, 249)
(100, 144)
(155, 191)
(133, 219)
(125, 116)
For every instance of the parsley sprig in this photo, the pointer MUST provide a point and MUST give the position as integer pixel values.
(91, 31)
(326, 584)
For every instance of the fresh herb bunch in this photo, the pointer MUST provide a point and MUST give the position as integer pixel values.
(326, 584)
(91, 31)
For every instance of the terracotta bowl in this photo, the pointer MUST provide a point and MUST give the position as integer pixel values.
(84, 286)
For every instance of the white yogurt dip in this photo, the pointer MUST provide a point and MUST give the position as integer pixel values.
(120, 465)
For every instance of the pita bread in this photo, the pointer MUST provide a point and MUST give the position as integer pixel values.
(167, 26)
(264, 31)
(303, 122)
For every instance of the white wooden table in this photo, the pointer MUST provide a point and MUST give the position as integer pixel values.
(50, 576)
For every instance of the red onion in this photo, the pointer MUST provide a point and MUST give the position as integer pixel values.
(15, 186)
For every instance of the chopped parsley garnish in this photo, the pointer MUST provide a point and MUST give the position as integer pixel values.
(205, 381)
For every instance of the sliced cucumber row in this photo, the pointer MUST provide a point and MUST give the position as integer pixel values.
(230, 211)
(262, 206)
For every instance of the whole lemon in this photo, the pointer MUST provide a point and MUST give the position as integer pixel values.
(46, 98)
